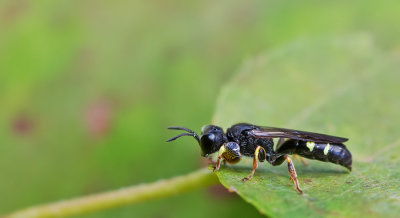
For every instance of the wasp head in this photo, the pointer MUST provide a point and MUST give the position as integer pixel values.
(211, 139)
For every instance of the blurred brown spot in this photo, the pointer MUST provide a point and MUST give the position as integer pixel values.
(219, 191)
(12, 11)
(307, 181)
(98, 118)
(22, 125)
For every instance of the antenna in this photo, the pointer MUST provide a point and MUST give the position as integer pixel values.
(187, 133)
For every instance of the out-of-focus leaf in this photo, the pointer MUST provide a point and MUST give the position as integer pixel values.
(343, 86)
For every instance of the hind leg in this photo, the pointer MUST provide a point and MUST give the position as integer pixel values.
(293, 174)
(291, 169)
(297, 157)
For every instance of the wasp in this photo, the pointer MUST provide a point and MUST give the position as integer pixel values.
(244, 139)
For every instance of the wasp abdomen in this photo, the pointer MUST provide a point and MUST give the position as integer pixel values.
(328, 152)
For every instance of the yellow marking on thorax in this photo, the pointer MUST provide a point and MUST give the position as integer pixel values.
(228, 155)
(326, 149)
(310, 145)
(222, 150)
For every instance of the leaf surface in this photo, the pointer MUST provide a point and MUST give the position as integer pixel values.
(343, 86)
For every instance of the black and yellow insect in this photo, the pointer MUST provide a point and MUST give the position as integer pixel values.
(257, 142)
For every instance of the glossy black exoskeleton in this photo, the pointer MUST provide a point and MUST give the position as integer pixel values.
(257, 142)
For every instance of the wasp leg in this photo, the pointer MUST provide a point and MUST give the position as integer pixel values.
(255, 162)
(292, 173)
(304, 161)
(229, 152)
(295, 156)
(218, 164)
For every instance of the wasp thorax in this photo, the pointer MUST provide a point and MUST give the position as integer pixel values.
(211, 139)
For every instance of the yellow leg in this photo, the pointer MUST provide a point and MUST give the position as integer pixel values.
(218, 164)
(255, 163)
(295, 156)
(304, 161)
(293, 174)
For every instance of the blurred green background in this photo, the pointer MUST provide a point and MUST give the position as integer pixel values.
(87, 89)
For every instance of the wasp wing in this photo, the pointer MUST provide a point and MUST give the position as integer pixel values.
(273, 132)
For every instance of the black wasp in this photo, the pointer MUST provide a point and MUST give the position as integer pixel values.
(257, 142)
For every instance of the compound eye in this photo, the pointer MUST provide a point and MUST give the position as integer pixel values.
(211, 137)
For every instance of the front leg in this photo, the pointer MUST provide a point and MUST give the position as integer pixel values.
(218, 164)
(229, 152)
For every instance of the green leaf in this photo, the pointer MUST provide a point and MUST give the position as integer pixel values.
(344, 86)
